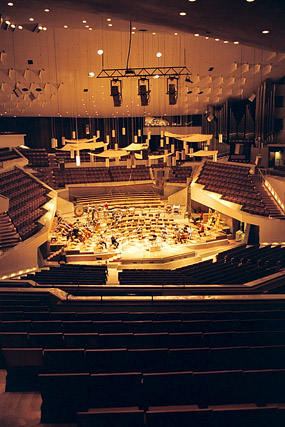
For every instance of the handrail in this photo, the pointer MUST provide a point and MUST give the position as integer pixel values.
(271, 191)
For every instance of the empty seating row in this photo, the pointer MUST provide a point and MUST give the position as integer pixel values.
(66, 394)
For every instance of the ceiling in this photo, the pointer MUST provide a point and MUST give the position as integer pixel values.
(219, 41)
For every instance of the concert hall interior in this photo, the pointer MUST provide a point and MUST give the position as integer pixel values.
(142, 218)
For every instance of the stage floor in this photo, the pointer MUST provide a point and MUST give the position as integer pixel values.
(155, 245)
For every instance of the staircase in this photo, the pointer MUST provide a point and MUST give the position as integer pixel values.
(9, 236)
(268, 200)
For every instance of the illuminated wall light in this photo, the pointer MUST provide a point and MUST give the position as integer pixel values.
(153, 34)
(236, 42)
(159, 54)
(176, 34)
(84, 21)
(110, 25)
(31, 19)
(196, 35)
(100, 52)
(225, 41)
(156, 76)
(217, 40)
(109, 19)
(91, 74)
(65, 26)
(90, 29)
(46, 10)
(182, 13)
(44, 28)
(10, 4)
(86, 26)
(265, 31)
(20, 27)
(134, 28)
(77, 158)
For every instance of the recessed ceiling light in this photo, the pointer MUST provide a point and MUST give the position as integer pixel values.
(217, 40)
(10, 4)
(44, 28)
(207, 38)
(236, 42)
(20, 27)
(46, 10)
(156, 76)
(192, 1)
(84, 22)
(153, 34)
(134, 28)
(250, 1)
(90, 29)
(100, 52)
(176, 34)
(133, 32)
(13, 26)
(225, 41)
(110, 25)
(196, 35)
(159, 54)
(109, 19)
(31, 19)
(182, 13)
(265, 32)
(86, 26)
(65, 26)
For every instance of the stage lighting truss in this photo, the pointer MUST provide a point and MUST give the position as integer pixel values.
(172, 89)
(116, 92)
(112, 73)
(144, 91)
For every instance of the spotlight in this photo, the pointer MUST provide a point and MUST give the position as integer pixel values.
(143, 91)
(32, 96)
(4, 24)
(116, 92)
(210, 114)
(252, 97)
(37, 28)
(172, 90)
(188, 79)
(17, 91)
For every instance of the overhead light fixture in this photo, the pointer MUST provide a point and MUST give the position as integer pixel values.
(4, 24)
(116, 92)
(188, 79)
(144, 91)
(91, 74)
(172, 90)
(17, 91)
(252, 97)
(100, 52)
(32, 96)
